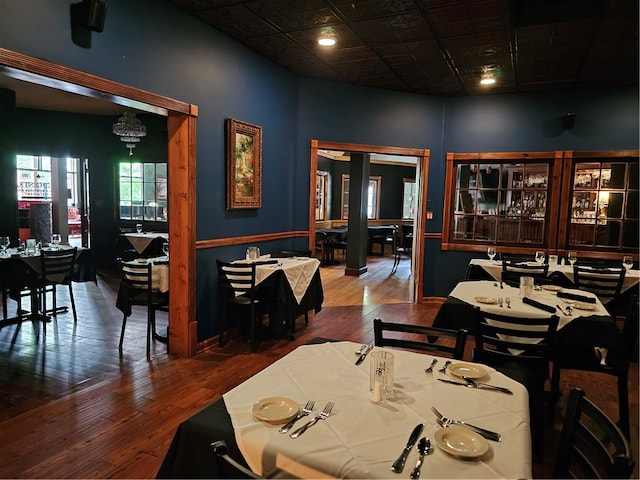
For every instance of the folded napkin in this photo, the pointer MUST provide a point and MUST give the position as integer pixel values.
(539, 305)
(577, 297)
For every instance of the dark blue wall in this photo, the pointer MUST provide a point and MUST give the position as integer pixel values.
(152, 45)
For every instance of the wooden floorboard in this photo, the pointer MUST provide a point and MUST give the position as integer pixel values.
(71, 407)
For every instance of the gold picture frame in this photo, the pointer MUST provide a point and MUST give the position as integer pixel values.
(244, 165)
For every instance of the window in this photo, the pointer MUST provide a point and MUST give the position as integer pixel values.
(583, 201)
(604, 203)
(322, 187)
(33, 177)
(373, 197)
(143, 191)
(408, 198)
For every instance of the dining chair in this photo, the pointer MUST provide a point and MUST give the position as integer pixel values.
(136, 288)
(513, 270)
(591, 445)
(56, 268)
(398, 251)
(605, 282)
(382, 237)
(617, 363)
(228, 467)
(238, 291)
(442, 341)
(520, 348)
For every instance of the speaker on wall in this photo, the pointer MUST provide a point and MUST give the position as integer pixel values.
(568, 121)
(90, 14)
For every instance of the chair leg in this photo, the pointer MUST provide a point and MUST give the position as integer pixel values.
(623, 402)
(222, 323)
(4, 303)
(124, 324)
(73, 304)
(252, 330)
(149, 326)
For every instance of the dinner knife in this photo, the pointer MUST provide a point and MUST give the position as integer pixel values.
(398, 465)
(364, 355)
(481, 386)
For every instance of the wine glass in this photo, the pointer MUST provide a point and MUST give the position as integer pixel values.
(491, 251)
(55, 241)
(139, 227)
(4, 243)
(627, 262)
(540, 257)
(165, 248)
(572, 257)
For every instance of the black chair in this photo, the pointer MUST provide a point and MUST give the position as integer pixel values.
(382, 237)
(322, 249)
(513, 270)
(617, 363)
(521, 349)
(407, 238)
(398, 251)
(238, 292)
(421, 337)
(136, 288)
(605, 282)
(56, 268)
(228, 467)
(591, 445)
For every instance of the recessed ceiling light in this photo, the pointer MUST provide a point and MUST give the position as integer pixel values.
(327, 41)
(487, 80)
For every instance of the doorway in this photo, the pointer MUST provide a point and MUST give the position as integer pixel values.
(422, 169)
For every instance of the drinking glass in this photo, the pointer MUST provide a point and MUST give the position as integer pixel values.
(540, 257)
(572, 257)
(165, 248)
(381, 375)
(55, 241)
(4, 243)
(491, 252)
(627, 262)
(139, 227)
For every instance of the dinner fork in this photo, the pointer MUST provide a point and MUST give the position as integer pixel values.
(446, 422)
(429, 369)
(324, 414)
(308, 408)
(444, 367)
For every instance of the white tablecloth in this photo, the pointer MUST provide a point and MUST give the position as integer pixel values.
(361, 439)
(299, 271)
(494, 268)
(159, 272)
(469, 290)
(140, 241)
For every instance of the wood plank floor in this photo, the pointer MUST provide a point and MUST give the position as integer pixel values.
(71, 407)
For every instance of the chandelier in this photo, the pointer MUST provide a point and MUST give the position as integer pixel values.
(130, 130)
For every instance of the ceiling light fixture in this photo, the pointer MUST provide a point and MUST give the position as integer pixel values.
(327, 40)
(130, 130)
(487, 79)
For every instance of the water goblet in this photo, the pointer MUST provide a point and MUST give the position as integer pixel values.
(540, 257)
(4, 243)
(55, 241)
(627, 262)
(491, 252)
(139, 227)
(165, 249)
(572, 257)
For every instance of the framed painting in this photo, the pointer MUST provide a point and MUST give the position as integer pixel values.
(244, 165)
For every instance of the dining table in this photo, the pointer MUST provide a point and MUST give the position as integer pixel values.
(19, 268)
(141, 240)
(292, 286)
(481, 268)
(360, 438)
(586, 324)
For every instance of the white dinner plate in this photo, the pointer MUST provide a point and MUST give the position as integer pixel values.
(463, 369)
(461, 442)
(583, 305)
(275, 409)
(487, 300)
(552, 288)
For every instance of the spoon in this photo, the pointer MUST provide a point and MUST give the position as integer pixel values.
(423, 449)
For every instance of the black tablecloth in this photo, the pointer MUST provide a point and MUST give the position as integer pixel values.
(283, 306)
